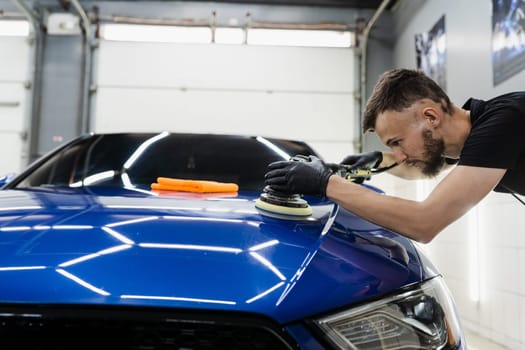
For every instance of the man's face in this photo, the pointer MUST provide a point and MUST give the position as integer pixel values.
(411, 140)
(433, 160)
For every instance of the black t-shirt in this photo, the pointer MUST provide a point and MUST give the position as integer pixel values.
(497, 138)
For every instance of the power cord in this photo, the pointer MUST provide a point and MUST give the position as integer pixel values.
(513, 193)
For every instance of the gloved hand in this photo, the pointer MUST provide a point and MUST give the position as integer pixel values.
(304, 175)
(367, 160)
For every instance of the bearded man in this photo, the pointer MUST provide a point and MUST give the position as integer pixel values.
(426, 133)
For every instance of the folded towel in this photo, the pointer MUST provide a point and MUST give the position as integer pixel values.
(194, 195)
(201, 186)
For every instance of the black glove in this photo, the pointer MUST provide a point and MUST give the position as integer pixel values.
(367, 160)
(300, 175)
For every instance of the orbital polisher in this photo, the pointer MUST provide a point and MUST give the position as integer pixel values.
(281, 203)
(276, 202)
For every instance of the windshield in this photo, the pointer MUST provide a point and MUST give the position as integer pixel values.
(137, 160)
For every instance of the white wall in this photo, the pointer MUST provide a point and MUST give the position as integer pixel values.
(291, 92)
(485, 250)
(14, 72)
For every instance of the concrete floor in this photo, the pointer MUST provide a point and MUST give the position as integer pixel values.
(476, 342)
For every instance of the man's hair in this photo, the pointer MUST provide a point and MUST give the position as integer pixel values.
(398, 89)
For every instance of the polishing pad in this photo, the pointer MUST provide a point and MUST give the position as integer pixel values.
(304, 211)
(275, 202)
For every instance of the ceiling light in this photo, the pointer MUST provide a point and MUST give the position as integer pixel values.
(288, 37)
(226, 35)
(156, 33)
(14, 28)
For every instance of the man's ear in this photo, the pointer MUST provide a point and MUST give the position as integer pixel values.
(432, 116)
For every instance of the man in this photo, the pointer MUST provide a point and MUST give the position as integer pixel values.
(415, 118)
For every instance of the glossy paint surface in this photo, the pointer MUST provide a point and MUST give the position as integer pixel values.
(133, 247)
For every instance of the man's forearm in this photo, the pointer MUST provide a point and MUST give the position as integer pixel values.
(400, 215)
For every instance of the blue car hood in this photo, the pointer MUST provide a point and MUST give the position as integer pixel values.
(123, 247)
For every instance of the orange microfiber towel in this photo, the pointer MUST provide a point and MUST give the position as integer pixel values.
(201, 186)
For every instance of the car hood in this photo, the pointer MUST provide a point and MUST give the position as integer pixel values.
(131, 247)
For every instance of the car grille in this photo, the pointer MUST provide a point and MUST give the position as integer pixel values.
(73, 327)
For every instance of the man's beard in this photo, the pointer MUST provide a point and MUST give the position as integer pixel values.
(433, 155)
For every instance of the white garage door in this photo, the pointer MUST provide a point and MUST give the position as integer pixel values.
(293, 92)
(14, 70)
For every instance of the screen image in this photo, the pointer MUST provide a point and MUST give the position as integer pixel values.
(431, 53)
(508, 38)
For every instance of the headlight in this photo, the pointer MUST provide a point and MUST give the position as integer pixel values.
(422, 318)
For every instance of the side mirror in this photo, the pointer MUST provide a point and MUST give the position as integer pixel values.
(6, 178)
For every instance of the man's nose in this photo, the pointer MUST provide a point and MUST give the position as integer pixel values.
(399, 155)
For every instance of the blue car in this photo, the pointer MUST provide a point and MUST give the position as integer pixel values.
(94, 256)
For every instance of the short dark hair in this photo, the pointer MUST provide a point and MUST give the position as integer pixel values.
(398, 89)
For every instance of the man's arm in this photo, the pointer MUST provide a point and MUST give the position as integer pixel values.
(459, 191)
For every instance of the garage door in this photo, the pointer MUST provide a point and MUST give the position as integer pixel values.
(293, 92)
(14, 75)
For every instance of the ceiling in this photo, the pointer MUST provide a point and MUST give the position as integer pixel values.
(348, 12)
(358, 4)
(350, 4)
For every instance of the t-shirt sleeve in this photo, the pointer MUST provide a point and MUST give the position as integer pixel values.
(496, 139)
